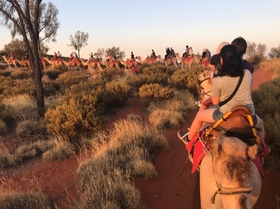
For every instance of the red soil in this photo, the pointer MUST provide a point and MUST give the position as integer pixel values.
(175, 186)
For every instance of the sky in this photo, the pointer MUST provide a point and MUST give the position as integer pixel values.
(143, 25)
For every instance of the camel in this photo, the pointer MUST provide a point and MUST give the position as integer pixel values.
(9, 62)
(185, 61)
(147, 60)
(111, 63)
(205, 62)
(205, 88)
(54, 63)
(128, 63)
(169, 61)
(23, 63)
(228, 177)
(94, 67)
(73, 63)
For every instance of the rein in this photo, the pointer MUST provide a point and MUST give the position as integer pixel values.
(201, 81)
(230, 191)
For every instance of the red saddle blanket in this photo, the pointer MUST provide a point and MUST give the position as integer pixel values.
(198, 150)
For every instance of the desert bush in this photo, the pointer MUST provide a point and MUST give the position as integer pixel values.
(28, 128)
(116, 93)
(271, 67)
(18, 87)
(3, 127)
(179, 79)
(67, 79)
(22, 74)
(256, 59)
(110, 74)
(5, 73)
(73, 118)
(53, 73)
(60, 150)
(51, 88)
(136, 81)
(266, 100)
(28, 200)
(155, 92)
(158, 69)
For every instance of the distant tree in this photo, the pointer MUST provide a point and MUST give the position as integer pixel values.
(78, 41)
(19, 48)
(101, 53)
(30, 19)
(115, 52)
(255, 53)
(251, 49)
(274, 52)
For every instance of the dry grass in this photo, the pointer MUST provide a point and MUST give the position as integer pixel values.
(60, 149)
(271, 67)
(126, 151)
(27, 200)
(171, 113)
(20, 107)
(3, 127)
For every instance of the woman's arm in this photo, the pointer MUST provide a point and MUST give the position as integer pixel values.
(215, 100)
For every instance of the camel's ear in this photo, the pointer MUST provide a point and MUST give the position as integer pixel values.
(252, 151)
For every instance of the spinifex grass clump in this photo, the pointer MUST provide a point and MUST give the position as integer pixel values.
(128, 151)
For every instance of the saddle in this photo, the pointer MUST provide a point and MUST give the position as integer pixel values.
(237, 122)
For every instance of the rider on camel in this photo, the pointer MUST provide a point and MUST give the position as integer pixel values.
(55, 56)
(186, 53)
(26, 57)
(153, 55)
(11, 57)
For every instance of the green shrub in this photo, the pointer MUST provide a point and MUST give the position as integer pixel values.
(80, 115)
(266, 100)
(154, 92)
(67, 79)
(51, 88)
(158, 69)
(53, 73)
(256, 59)
(179, 79)
(18, 87)
(116, 93)
(5, 73)
(112, 74)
